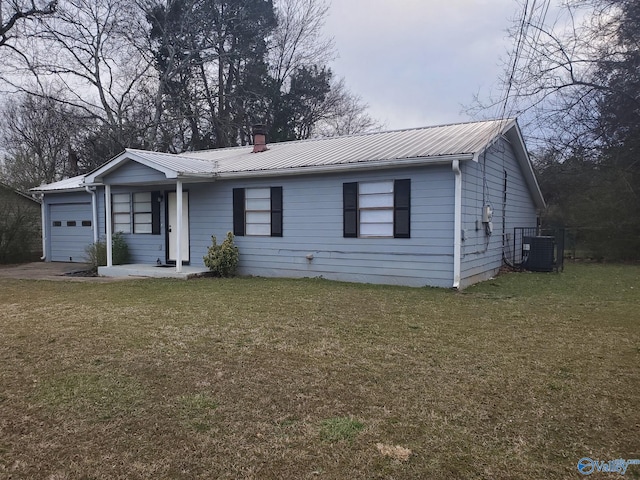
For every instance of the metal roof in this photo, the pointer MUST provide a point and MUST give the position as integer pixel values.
(462, 141)
(73, 183)
(182, 163)
(429, 142)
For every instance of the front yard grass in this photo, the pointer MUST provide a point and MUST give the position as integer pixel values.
(518, 377)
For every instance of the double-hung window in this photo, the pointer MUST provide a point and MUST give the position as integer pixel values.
(136, 213)
(257, 211)
(377, 209)
(121, 207)
(142, 213)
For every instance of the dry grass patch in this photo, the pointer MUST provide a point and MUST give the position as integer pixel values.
(254, 378)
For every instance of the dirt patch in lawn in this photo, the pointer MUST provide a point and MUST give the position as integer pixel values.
(75, 272)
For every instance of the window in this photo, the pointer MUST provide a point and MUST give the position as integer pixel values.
(120, 203)
(377, 209)
(71, 223)
(57, 223)
(145, 216)
(86, 223)
(257, 211)
(142, 215)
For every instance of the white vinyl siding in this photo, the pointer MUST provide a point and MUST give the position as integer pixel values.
(142, 215)
(258, 211)
(375, 201)
(121, 205)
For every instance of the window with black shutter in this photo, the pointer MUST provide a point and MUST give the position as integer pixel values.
(257, 211)
(379, 209)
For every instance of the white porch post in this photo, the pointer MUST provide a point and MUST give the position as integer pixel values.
(109, 240)
(179, 226)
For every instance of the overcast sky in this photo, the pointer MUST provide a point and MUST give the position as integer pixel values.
(418, 62)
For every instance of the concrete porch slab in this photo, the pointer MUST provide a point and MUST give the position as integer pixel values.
(154, 271)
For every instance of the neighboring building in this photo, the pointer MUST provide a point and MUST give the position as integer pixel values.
(426, 206)
(20, 230)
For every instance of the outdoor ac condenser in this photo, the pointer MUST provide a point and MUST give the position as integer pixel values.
(538, 253)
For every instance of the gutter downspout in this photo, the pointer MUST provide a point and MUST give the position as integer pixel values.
(94, 211)
(457, 224)
(43, 213)
(109, 239)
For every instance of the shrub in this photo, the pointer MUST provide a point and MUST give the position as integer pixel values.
(96, 253)
(222, 259)
(20, 239)
(120, 249)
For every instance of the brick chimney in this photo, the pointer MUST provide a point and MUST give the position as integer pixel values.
(259, 138)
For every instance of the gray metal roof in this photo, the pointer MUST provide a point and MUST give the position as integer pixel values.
(182, 163)
(463, 141)
(73, 183)
(429, 142)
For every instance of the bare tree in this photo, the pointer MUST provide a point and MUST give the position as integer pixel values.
(346, 114)
(298, 40)
(85, 52)
(297, 49)
(553, 77)
(38, 135)
(14, 11)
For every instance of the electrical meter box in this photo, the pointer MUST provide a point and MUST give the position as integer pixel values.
(487, 214)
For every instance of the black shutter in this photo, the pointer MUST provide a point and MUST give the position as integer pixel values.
(350, 209)
(155, 213)
(276, 211)
(402, 209)
(238, 212)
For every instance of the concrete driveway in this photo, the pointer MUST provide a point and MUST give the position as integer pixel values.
(51, 271)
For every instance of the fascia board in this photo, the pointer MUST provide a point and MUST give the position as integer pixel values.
(347, 167)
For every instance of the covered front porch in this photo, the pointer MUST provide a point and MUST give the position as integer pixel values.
(153, 271)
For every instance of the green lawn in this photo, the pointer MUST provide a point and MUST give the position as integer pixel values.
(518, 377)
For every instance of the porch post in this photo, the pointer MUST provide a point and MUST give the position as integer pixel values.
(179, 226)
(109, 240)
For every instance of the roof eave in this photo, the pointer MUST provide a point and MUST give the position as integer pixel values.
(522, 155)
(369, 165)
(96, 176)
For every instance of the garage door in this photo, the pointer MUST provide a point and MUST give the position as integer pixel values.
(71, 231)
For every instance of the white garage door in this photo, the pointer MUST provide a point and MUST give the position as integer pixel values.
(71, 231)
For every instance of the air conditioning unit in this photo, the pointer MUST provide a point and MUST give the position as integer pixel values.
(538, 253)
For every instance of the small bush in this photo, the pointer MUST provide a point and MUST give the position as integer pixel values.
(120, 249)
(222, 259)
(96, 253)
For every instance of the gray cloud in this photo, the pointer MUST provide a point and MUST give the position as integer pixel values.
(416, 62)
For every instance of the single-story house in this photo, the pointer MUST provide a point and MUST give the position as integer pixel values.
(19, 226)
(426, 206)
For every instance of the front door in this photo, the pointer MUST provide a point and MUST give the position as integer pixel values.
(172, 227)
